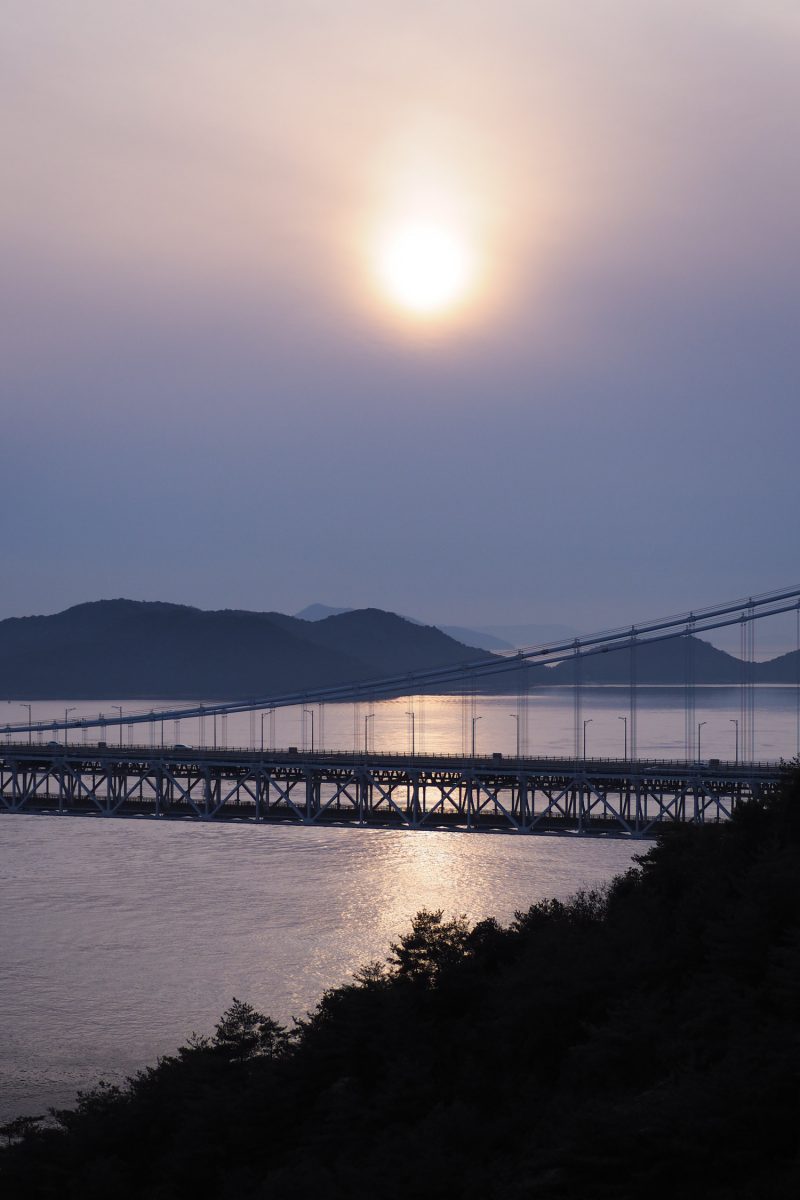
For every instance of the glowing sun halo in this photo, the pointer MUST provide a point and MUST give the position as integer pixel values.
(424, 269)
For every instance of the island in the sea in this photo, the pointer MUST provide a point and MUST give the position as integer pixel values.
(130, 648)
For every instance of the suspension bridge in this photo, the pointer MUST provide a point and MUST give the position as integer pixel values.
(41, 772)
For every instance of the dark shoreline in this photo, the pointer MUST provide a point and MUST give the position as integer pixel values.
(510, 1059)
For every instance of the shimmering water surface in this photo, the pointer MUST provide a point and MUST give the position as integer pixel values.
(443, 724)
(120, 937)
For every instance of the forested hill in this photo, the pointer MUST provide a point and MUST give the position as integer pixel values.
(659, 662)
(132, 649)
(639, 1042)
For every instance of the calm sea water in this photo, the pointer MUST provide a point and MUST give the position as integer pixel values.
(444, 723)
(119, 938)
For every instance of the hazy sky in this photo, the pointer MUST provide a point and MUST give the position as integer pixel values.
(207, 396)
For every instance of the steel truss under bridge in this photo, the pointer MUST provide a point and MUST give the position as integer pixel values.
(519, 795)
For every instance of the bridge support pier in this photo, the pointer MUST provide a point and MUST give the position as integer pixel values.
(312, 797)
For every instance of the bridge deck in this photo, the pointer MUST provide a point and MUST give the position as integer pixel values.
(525, 795)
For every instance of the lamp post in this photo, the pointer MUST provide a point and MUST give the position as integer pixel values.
(310, 712)
(515, 717)
(734, 721)
(22, 704)
(413, 732)
(118, 707)
(474, 723)
(67, 711)
(700, 725)
(369, 717)
(625, 719)
(266, 713)
(588, 721)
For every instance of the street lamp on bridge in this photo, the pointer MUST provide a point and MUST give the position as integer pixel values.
(67, 711)
(266, 713)
(588, 721)
(474, 723)
(413, 716)
(310, 712)
(29, 707)
(734, 721)
(369, 717)
(625, 719)
(118, 707)
(515, 717)
(700, 725)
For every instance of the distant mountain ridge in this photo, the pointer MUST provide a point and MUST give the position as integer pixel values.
(485, 637)
(661, 662)
(318, 612)
(131, 648)
(134, 649)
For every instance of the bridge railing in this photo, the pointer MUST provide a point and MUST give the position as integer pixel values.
(321, 756)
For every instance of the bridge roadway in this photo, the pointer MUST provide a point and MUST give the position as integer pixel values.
(385, 790)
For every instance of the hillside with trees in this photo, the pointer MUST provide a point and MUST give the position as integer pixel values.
(130, 649)
(639, 1041)
(134, 649)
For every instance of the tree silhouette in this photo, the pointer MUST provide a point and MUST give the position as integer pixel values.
(638, 1040)
(243, 1033)
(432, 946)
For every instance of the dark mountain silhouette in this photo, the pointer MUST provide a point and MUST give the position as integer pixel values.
(661, 662)
(130, 648)
(392, 643)
(528, 634)
(135, 649)
(318, 612)
(476, 637)
(468, 637)
(784, 669)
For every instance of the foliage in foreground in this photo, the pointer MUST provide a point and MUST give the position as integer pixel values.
(640, 1041)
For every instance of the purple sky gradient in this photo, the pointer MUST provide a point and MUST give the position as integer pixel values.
(203, 402)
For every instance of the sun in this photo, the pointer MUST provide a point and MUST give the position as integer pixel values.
(424, 268)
